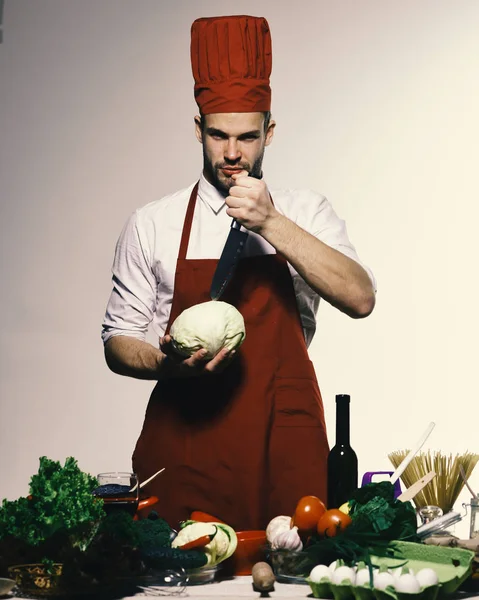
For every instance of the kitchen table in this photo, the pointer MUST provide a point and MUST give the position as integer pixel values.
(239, 588)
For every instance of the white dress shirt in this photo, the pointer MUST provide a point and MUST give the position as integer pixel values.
(146, 252)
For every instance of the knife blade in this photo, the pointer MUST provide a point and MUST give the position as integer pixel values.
(229, 258)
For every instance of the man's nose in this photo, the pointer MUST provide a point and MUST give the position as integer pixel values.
(232, 151)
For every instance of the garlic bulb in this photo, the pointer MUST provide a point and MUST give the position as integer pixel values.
(281, 523)
(287, 539)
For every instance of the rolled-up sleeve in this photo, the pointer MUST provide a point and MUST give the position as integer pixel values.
(330, 229)
(132, 301)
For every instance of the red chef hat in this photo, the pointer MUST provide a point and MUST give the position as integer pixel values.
(231, 60)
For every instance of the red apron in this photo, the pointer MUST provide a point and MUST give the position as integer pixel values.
(246, 444)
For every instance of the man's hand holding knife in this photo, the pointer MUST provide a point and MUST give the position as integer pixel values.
(249, 202)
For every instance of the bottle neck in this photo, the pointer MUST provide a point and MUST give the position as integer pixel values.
(342, 420)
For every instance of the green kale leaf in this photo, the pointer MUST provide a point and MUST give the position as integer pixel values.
(373, 508)
(60, 500)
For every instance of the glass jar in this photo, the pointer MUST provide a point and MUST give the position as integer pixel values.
(474, 531)
(429, 513)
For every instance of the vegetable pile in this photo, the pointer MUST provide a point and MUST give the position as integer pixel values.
(62, 521)
(365, 550)
(371, 517)
(217, 540)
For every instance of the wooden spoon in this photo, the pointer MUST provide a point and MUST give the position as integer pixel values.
(147, 480)
(416, 487)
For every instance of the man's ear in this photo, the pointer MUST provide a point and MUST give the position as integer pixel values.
(270, 133)
(198, 132)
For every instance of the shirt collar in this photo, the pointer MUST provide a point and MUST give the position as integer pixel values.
(210, 195)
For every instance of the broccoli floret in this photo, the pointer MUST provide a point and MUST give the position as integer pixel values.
(154, 544)
(145, 534)
(120, 528)
(153, 533)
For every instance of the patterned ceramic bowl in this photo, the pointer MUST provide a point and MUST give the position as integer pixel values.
(34, 579)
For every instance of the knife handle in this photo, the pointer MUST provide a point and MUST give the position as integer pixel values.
(235, 224)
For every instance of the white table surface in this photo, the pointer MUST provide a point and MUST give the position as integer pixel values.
(242, 587)
(239, 587)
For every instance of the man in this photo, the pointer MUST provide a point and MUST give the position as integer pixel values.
(242, 436)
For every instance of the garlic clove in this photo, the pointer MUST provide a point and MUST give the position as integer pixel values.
(287, 540)
(280, 523)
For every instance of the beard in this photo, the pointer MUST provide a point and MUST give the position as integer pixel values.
(222, 182)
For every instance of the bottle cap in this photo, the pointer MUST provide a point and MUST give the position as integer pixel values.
(343, 397)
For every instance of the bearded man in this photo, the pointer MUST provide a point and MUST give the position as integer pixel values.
(242, 436)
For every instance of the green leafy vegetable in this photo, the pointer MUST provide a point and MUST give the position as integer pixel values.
(350, 546)
(377, 518)
(145, 534)
(60, 500)
(382, 489)
(61, 521)
(153, 533)
(374, 508)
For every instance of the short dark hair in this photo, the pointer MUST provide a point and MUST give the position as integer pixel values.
(266, 114)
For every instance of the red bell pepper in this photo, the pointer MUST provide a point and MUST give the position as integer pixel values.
(200, 542)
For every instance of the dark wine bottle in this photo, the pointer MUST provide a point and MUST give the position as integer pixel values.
(342, 460)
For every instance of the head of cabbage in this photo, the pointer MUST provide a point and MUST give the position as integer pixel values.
(210, 325)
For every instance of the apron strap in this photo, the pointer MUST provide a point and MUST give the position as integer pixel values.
(190, 211)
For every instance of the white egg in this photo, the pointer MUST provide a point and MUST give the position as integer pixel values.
(407, 583)
(427, 577)
(362, 577)
(320, 572)
(343, 575)
(382, 580)
(396, 573)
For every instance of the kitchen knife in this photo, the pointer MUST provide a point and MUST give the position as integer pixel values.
(228, 260)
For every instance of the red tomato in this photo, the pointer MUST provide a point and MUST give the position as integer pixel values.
(332, 522)
(307, 513)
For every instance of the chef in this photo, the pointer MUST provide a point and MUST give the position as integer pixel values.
(242, 436)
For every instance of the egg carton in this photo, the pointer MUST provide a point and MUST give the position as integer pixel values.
(348, 592)
(452, 566)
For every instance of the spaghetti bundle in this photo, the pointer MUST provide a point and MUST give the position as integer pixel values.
(445, 488)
